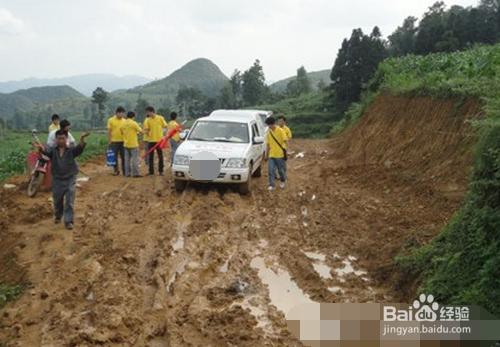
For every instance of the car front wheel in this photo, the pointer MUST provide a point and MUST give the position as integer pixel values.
(180, 185)
(246, 187)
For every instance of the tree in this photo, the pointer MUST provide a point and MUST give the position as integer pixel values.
(254, 86)
(100, 97)
(227, 98)
(191, 101)
(140, 107)
(303, 82)
(431, 29)
(357, 61)
(236, 82)
(321, 85)
(402, 41)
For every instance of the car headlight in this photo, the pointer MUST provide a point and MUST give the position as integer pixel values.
(181, 160)
(236, 163)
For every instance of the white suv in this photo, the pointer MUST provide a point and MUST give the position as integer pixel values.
(225, 147)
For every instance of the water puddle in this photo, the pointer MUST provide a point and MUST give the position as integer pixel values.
(258, 311)
(178, 271)
(284, 293)
(225, 267)
(348, 268)
(323, 270)
(179, 243)
(315, 256)
(337, 290)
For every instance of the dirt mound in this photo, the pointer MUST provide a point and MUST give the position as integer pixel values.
(424, 139)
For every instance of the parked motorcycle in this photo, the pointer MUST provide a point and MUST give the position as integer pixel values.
(40, 170)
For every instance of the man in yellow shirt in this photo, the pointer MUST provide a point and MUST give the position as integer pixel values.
(276, 153)
(55, 123)
(115, 137)
(283, 125)
(175, 140)
(130, 130)
(145, 140)
(153, 128)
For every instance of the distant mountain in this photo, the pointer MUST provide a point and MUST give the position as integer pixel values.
(85, 84)
(27, 99)
(314, 77)
(201, 74)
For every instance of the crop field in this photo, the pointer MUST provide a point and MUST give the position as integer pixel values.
(15, 145)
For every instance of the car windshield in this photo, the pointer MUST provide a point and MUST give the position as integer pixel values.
(220, 132)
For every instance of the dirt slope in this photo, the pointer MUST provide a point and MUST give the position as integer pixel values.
(148, 267)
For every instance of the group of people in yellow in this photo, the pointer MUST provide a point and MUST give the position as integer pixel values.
(123, 135)
(123, 132)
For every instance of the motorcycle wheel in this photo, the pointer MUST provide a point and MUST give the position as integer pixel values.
(35, 183)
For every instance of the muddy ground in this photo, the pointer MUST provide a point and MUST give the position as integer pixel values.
(146, 266)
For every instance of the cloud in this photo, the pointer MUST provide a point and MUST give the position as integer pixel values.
(131, 9)
(10, 24)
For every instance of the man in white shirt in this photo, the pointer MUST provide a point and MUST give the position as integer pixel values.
(65, 125)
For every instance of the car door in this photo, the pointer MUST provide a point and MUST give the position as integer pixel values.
(257, 148)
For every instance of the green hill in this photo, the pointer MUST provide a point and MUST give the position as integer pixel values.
(28, 99)
(201, 74)
(48, 93)
(315, 77)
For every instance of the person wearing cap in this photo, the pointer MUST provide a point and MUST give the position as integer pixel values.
(115, 137)
(130, 130)
(64, 125)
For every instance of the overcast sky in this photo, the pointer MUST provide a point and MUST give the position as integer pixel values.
(57, 38)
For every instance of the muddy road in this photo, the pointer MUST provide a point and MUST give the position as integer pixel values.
(146, 266)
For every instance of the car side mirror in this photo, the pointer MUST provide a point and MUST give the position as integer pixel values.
(183, 135)
(258, 140)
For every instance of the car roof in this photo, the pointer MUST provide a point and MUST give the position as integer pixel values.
(233, 115)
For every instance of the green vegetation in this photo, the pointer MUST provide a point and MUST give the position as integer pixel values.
(317, 79)
(14, 147)
(9, 293)
(475, 72)
(308, 115)
(461, 265)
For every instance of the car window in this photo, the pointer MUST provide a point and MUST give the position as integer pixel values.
(220, 132)
(255, 130)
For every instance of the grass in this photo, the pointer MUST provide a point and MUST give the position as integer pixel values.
(9, 293)
(15, 145)
(308, 115)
